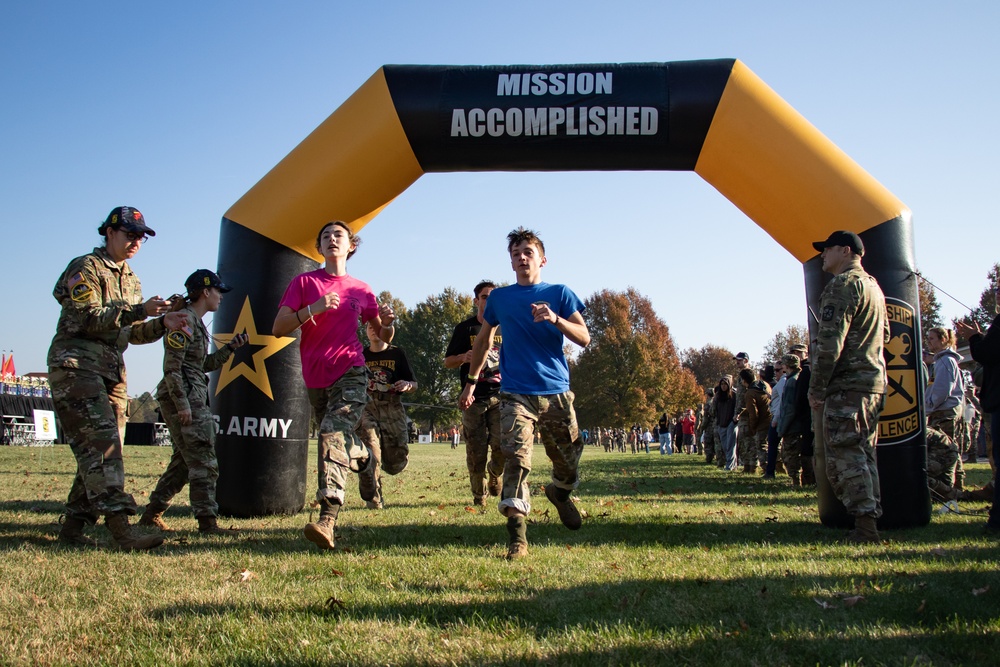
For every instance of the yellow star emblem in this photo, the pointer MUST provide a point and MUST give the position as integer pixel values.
(269, 345)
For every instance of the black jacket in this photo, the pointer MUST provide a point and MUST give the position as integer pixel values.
(985, 349)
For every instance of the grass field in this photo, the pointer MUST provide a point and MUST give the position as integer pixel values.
(676, 563)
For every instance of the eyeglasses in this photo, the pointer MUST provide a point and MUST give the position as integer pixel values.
(134, 237)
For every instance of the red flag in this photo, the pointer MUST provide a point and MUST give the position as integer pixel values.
(8, 366)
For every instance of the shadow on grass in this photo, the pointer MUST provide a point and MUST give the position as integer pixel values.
(701, 621)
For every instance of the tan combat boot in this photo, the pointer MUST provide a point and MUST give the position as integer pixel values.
(152, 519)
(494, 484)
(865, 531)
(322, 532)
(209, 525)
(128, 539)
(72, 533)
(367, 481)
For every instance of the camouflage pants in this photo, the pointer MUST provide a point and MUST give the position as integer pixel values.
(481, 428)
(751, 446)
(948, 422)
(338, 409)
(942, 459)
(791, 455)
(193, 461)
(709, 435)
(383, 431)
(849, 428)
(554, 418)
(92, 411)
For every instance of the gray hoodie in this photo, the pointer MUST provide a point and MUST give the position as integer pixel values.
(948, 388)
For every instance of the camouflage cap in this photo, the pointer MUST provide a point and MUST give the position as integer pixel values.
(791, 362)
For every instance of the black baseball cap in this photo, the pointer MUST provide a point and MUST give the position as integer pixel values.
(203, 278)
(127, 218)
(742, 355)
(842, 238)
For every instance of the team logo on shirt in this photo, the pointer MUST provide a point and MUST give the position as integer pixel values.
(900, 419)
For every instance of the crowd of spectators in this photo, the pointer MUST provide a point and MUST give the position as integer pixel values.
(769, 403)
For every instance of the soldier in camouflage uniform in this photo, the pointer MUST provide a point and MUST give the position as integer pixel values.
(102, 313)
(383, 422)
(183, 398)
(707, 433)
(847, 385)
(744, 438)
(481, 420)
(534, 389)
(757, 411)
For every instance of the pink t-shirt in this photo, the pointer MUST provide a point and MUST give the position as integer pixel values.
(330, 347)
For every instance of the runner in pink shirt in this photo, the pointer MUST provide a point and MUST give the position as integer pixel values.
(328, 304)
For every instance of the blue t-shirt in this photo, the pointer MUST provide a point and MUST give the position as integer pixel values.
(531, 359)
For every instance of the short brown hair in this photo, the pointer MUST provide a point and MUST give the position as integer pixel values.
(523, 235)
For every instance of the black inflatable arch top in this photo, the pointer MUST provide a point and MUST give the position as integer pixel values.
(713, 117)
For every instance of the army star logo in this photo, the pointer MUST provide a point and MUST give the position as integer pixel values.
(269, 345)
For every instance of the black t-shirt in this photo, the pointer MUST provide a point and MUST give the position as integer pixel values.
(461, 342)
(385, 368)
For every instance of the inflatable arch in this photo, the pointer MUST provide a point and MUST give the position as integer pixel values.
(714, 117)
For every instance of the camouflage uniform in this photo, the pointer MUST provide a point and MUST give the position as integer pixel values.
(102, 312)
(848, 374)
(338, 410)
(708, 430)
(756, 419)
(949, 422)
(383, 421)
(184, 386)
(481, 420)
(553, 416)
(942, 459)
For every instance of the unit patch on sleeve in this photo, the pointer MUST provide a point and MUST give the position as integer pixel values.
(177, 340)
(79, 289)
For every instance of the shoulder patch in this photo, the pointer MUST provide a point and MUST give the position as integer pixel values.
(176, 340)
(827, 313)
(79, 288)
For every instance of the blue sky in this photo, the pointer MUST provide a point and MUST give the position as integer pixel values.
(179, 108)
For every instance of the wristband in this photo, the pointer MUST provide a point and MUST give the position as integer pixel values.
(471, 379)
(299, 318)
(309, 309)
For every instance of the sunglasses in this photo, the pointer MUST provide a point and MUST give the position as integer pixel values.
(135, 237)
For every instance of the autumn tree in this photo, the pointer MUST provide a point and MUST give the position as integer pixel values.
(930, 307)
(984, 313)
(708, 364)
(630, 372)
(794, 334)
(143, 409)
(423, 333)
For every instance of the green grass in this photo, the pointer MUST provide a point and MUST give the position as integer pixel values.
(676, 563)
